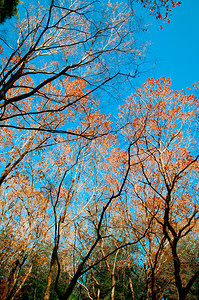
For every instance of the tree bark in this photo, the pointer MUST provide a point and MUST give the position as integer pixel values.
(50, 274)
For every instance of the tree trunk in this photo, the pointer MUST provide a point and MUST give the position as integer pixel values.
(151, 294)
(98, 294)
(10, 284)
(50, 275)
(112, 286)
(131, 288)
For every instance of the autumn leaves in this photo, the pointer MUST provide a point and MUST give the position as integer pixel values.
(84, 193)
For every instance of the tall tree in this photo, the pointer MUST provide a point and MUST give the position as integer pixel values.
(164, 176)
(52, 133)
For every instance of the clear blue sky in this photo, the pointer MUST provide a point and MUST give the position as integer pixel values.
(176, 48)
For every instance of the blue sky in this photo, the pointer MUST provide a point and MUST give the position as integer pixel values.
(175, 49)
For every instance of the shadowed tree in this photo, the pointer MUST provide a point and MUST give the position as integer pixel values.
(8, 8)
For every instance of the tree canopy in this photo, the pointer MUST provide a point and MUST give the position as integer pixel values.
(94, 204)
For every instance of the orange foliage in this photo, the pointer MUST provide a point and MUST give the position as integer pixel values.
(160, 8)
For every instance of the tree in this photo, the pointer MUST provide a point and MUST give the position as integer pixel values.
(164, 177)
(58, 51)
(52, 133)
(8, 8)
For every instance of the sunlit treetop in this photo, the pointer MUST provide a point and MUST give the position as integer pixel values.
(166, 116)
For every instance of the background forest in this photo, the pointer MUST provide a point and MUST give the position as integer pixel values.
(98, 176)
